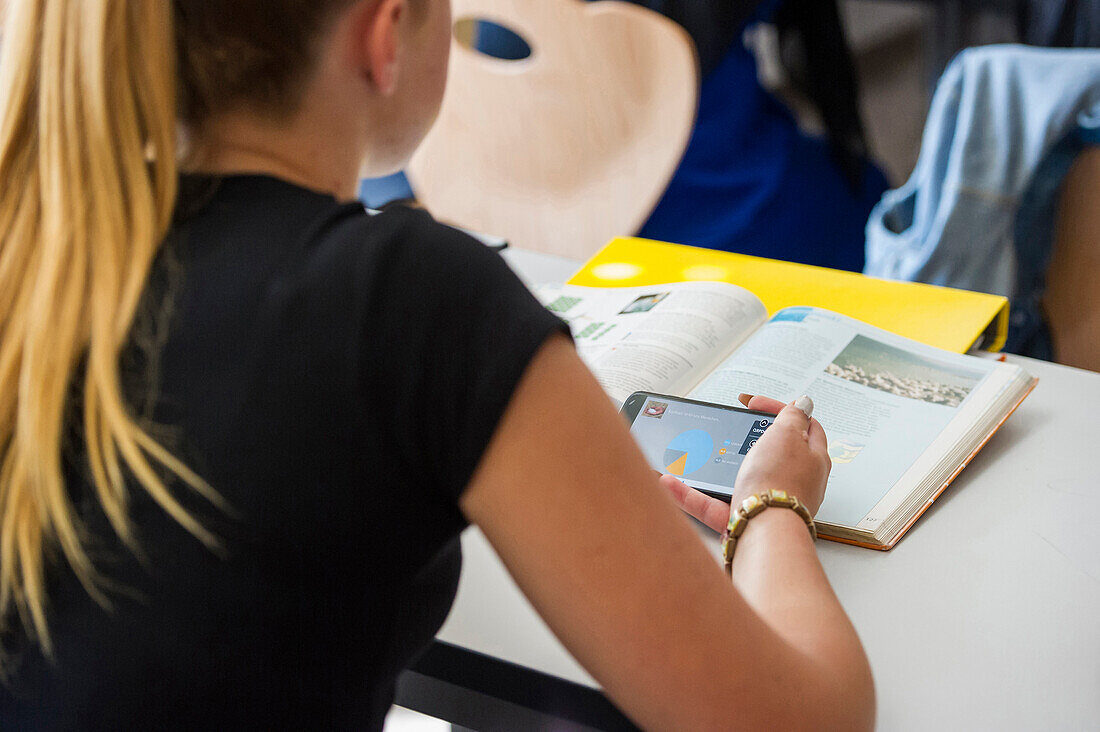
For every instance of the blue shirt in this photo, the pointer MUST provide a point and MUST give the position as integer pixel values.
(752, 182)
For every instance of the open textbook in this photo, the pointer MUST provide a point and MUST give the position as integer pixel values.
(902, 418)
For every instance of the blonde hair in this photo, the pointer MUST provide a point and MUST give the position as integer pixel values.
(88, 161)
(93, 91)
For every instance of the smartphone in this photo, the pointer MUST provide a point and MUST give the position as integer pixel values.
(700, 443)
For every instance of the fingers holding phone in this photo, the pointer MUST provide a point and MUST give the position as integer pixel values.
(791, 456)
(700, 449)
(711, 512)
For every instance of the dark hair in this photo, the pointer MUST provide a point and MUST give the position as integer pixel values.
(253, 54)
(815, 52)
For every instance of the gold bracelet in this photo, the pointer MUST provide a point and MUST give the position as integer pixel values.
(752, 506)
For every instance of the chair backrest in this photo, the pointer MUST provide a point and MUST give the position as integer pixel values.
(572, 146)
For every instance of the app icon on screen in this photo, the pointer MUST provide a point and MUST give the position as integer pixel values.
(754, 434)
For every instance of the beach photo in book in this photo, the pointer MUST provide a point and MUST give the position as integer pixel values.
(879, 366)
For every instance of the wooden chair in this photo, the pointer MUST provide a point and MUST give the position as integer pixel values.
(574, 145)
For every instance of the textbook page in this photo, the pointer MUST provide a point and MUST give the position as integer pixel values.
(882, 399)
(663, 338)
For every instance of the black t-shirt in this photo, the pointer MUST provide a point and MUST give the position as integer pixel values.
(336, 377)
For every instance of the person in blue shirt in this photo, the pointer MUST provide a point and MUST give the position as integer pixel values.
(750, 180)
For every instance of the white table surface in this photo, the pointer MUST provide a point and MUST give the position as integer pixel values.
(986, 615)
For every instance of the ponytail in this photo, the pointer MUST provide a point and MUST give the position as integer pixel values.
(89, 173)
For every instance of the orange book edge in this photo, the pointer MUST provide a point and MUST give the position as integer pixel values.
(909, 524)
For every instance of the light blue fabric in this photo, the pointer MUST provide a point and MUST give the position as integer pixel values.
(1005, 124)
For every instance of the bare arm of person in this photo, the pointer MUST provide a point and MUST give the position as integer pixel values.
(1072, 298)
(759, 564)
(622, 578)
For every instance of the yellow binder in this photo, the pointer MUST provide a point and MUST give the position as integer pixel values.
(951, 319)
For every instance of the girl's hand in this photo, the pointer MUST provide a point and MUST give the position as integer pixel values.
(792, 455)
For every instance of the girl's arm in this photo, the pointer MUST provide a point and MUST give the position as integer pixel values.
(1071, 302)
(622, 578)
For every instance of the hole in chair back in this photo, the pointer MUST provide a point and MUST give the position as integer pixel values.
(491, 39)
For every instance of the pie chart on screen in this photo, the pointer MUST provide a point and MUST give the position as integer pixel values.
(688, 452)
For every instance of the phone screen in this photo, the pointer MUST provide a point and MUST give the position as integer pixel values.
(701, 444)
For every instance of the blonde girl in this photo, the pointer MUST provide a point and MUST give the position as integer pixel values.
(242, 423)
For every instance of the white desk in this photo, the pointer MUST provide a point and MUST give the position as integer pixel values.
(986, 615)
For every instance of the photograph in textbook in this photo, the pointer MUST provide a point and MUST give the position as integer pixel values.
(870, 363)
